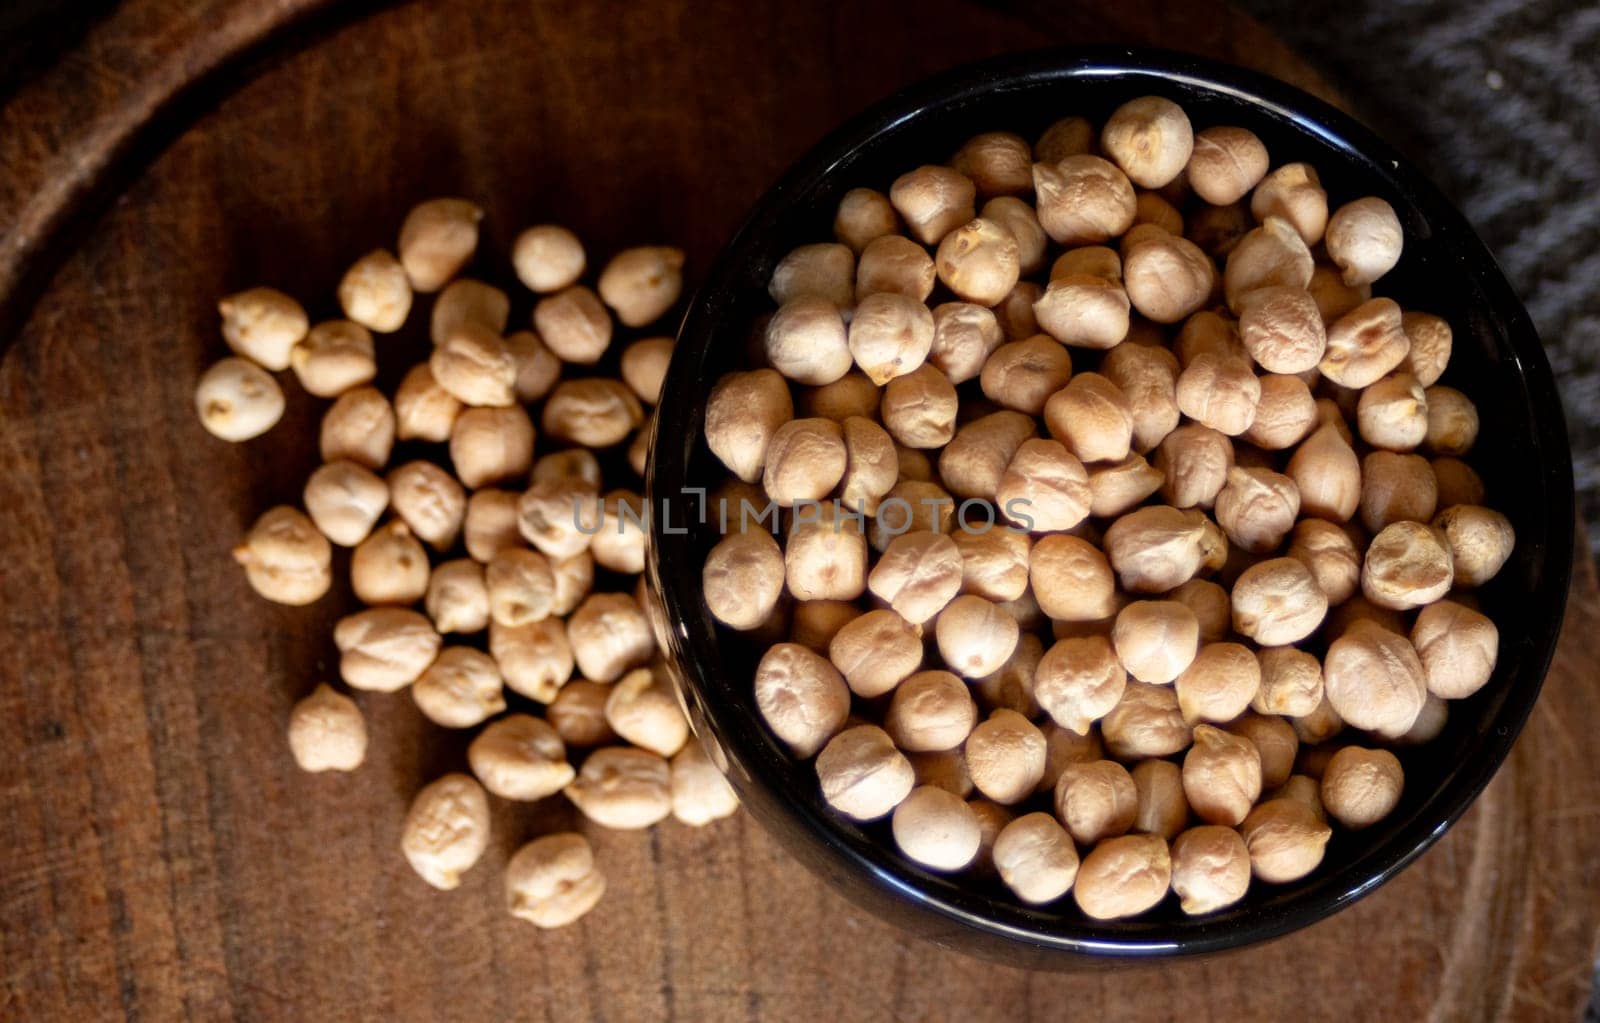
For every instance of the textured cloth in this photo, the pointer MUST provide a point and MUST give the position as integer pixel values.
(1499, 102)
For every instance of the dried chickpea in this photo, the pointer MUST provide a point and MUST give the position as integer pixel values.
(1194, 461)
(1431, 343)
(964, 336)
(446, 830)
(1320, 725)
(864, 215)
(1083, 200)
(345, 501)
(863, 775)
(1117, 487)
(998, 162)
(460, 689)
(1282, 329)
(1096, 801)
(1327, 473)
(1277, 602)
(890, 335)
(1365, 344)
(423, 410)
(328, 733)
(436, 240)
(1210, 869)
(1156, 640)
(973, 463)
(1452, 421)
(359, 426)
(743, 578)
(609, 634)
(1035, 858)
(1291, 682)
(520, 757)
(547, 257)
(1393, 413)
(1208, 331)
(1360, 787)
(1123, 877)
(1148, 377)
(1005, 757)
(1294, 193)
(1257, 508)
(979, 261)
(384, 649)
(263, 325)
(644, 367)
(553, 881)
(490, 524)
(894, 264)
(468, 301)
(1221, 776)
(1272, 254)
(1359, 608)
(1083, 310)
(285, 559)
(573, 324)
(930, 711)
(1151, 208)
(1396, 487)
(911, 506)
(825, 556)
(521, 586)
(1407, 565)
(643, 711)
(1167, 276)
(1226, 164)
(917, 575)
(1022, 375)
(919, 408)
(1155, 549)
(1078, 681)
(1374, 680)
(474, 365)
(1088, 261)
(1219, 683)
(623, 788)
(593, 412)
(1458, 648)
(534, 658)
(1275, 741)
(876, 652)
(816, 622)
(457, 599)
(488, 445)
(1364, 238)
(1163, 809)
(1011, 687)
(852, 395)
(1219, 391)
(1218, 229)
(620, 544)
(1480, 541)
(826, 270)
(933, 201)
(1072, 579)
(742, 414)
(1092, 418)
(640, 284)
(1286, 840)
(429, 501)
(801, 697)
(936, 829)
(1069, 136)
(1017, 217)
(975, 637)
(238, 400)
(700, 793)
(578, 714)
(1150, 139)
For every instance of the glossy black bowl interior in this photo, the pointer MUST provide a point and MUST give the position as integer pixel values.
(1522, 454)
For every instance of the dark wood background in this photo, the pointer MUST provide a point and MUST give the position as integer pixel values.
(161, 857)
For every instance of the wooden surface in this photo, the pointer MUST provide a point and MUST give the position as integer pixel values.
(160, 856)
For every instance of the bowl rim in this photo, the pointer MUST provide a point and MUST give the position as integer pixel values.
(834, 850)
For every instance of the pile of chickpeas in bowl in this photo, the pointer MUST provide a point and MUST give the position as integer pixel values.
(1098, 526)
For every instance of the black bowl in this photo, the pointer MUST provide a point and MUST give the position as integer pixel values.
(1522, 455)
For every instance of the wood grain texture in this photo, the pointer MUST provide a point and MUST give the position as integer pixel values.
(160, 856)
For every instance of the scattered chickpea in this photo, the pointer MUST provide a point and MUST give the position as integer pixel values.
(384, 649)
(609, 634)
(1096, 801)
(553, 881)
(623, 788)
(468, 301)
(936, 829)
(436, 240)
(1276, 742)
(1393, 413)
(1123, 877)
(1282, 329)
(1219, 683)
(742, 414)
(457, 599)
(1148, 377)
(345, 500)
(1118, 487)
(917, 575)
(593, 412)
(1360, 787)
(930, 711)
(574, 324)
(974, 462)
(460, 689)
(327, 731)
(547, 257)
(642, 710)
(1374, 680)
(1069, 136)
(743, 578)
(1022, 375)
(429, 501)
(446, 830)
(1210, 869)
(1226, 163)
(1364, 238)
(641, 284)
(489, 524)
(359, 426)
(933, 201)
(1277, 602)
(520, 586)
(1018, 218)
(619, 546)
(1083, 310)
(520, 757)
(1005, 757)
(474, 366)
(1291, 682)
(578, 714)
(1150, 139)
(263, 325)
(1155, 549)
(534, 658)
(1092, 417)
(1452, 421)
(964, 336)
(285, 559)
(238, 400)
(488, 445)
(1163, 808)
(863, 775)
(700, 793)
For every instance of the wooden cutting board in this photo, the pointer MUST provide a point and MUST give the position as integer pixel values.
(160, 856)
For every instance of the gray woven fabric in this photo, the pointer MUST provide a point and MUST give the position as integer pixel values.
(1499, 101)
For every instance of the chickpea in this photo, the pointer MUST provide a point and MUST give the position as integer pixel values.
(328, 733)
(345, 501)
(446, 830)
(1219, 683)
(578, 714)
(1226, 164)
(1062, 746)
(1457, 646)
(1022, 375)
(825, 270)
(1011, 687)
(917, 575)
(384, 649)
(534, 658)
(911, 506)
(489, 524)
(975, 636)
(488, 445)
(994, 562)
(1396, 487)
(457, 599)
(609, 634)
(1044, 487)
(1359, 608)
(1019, 219)
(1211, 607)
(1083, 200)
(1035, 858)
(1123, 877)
(1285, 839)
(1452, 421)
(930, 711)
(1005, 756)
(1218, 229)
(460, 689)
(864, 215)
(623, 788)
(1221, 776)
(937, 829)
(1210, 869)
(801, 697)
(998, 162)
(1360, 787)
(914, 466)
(1480, 541)
(1365, 344)
(360, 427)
(1092, 418)
(1117, 487)
(1072, 579)
(468, 301)
(1328, 475)
(1156, 640)
(816, 622)
(1277, 602)
(436, 240)
(521, 586)
(594, 412)
(1078, 681)
(1407, 565)
(1272, 254)
(1208, 331)
(1096, 801)
(742, 414)
(1150, 208)
(1163, 809)
(1320, 725)
(1148, 377)
(897, 265)
(1457, 482)
(1431, 342)
(919, 408)
(642, 710)
(964, 336)
(743, 578)
(876, 652)
(474, 365)
(826, 557)
(1291, 682)
(1168, 277)
(1083, 310)
(1194, 461)
(553, 881)
(974, 462)
(1364, 238)
(520, 757)
(1257, 508)
(1070, 136)
(852, 395)
(1374, 680)
(1294, 193)
(1088, 261)
(1156, 549)
(1393, 413)
(1150, 139)
(620, 544)
(890, 335)
(700, 793)
(429, 501)
(933, 201)
(285, 559)
(1282, 329)
(263, 325)
(979, 261)
(863, 775)
(573, 324)
(640, 284)
(547, 257)
(1219, 391)
(238, 400)
(1275, 741)
(423, 410)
